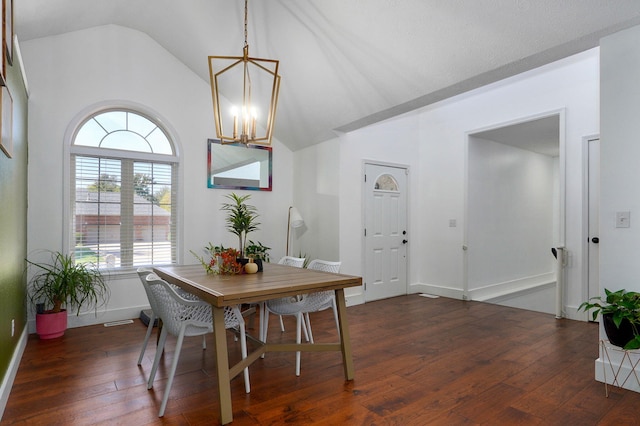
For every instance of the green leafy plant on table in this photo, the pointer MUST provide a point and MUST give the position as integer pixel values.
(257, 251)
(242, 218)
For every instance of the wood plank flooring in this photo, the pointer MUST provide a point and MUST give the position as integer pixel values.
(418, 361)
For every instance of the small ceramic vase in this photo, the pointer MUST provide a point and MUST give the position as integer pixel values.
(251, 267)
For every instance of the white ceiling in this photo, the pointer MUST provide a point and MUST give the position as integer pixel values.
(349, 63)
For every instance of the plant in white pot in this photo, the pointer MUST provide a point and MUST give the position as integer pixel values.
(61, 284)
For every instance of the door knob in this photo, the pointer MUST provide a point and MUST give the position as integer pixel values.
(404, 241)
(595, 240)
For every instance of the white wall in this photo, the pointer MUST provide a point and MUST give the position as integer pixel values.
(431, 142)
(510, 216)
(390, 142)
(620, 160)
(71, 73)
(328, 190)
(620, 171)
(571, 86)
(316, 191)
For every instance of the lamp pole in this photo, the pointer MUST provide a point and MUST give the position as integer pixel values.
(288, 229)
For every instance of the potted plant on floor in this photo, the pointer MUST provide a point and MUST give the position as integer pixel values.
(620, 312)
(61, 284)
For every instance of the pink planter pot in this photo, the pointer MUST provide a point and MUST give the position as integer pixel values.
(50, 326)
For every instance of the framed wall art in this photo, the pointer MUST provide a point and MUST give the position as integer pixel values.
(6, 130)
(7, 26)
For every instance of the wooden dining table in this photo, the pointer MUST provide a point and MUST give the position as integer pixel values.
(273, 282)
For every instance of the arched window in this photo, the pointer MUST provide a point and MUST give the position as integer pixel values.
(386, 183)
(123, 191)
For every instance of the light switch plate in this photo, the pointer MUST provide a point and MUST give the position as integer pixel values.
(623, 219)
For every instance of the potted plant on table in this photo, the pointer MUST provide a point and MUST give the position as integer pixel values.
(220, 260)
(241, 219)
(257, 251)
(61, 284)
(620, 312)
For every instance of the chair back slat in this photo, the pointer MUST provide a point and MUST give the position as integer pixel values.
(324, 265)
(297, 262)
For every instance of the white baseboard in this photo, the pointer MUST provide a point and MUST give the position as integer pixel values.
(7, 382)
(90, 318)
(354, 299)
(436, 290)
(571, 312)
(603, 368)
(510, 288)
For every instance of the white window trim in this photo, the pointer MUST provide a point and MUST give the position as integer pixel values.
(69, 149)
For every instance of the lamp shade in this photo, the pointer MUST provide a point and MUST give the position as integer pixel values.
(295, 219)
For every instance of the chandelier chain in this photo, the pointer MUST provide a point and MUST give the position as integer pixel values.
(246, 13)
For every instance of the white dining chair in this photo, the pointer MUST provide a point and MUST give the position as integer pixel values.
(296, 262)
(184, 317)
(300, 306)
(142, 273)
(321, 300)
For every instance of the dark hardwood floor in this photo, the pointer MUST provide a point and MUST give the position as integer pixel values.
(418, 361)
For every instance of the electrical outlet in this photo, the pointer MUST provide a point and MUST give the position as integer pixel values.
(13, 327)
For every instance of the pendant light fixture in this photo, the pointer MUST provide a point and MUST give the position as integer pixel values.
(245, 95)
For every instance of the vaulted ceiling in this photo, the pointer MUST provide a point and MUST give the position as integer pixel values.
(348, 63)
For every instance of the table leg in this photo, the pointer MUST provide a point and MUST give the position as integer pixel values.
(345, 340)
(222, 366)
(262, 307)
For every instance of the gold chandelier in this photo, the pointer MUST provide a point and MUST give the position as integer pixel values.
(248, 88)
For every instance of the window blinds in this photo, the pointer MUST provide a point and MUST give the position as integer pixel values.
(123, 211)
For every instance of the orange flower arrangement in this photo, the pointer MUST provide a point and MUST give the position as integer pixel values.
(228, 265)
(221, 260)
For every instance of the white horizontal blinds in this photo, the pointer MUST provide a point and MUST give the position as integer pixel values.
(153, 226)
(124, 192)
(97, 210)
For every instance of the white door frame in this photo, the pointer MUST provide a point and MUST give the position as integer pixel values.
(366, 162)
(585, 219)
(561, 113)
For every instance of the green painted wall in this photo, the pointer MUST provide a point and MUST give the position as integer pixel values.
(13, 224)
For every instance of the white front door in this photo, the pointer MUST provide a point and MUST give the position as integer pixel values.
(593, 239)
(386, 236)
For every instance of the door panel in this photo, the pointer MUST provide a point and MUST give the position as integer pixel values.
(385, 231)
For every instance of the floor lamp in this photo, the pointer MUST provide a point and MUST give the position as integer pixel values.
(294, 221)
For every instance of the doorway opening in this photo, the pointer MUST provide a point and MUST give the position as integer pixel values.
(515, 213)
